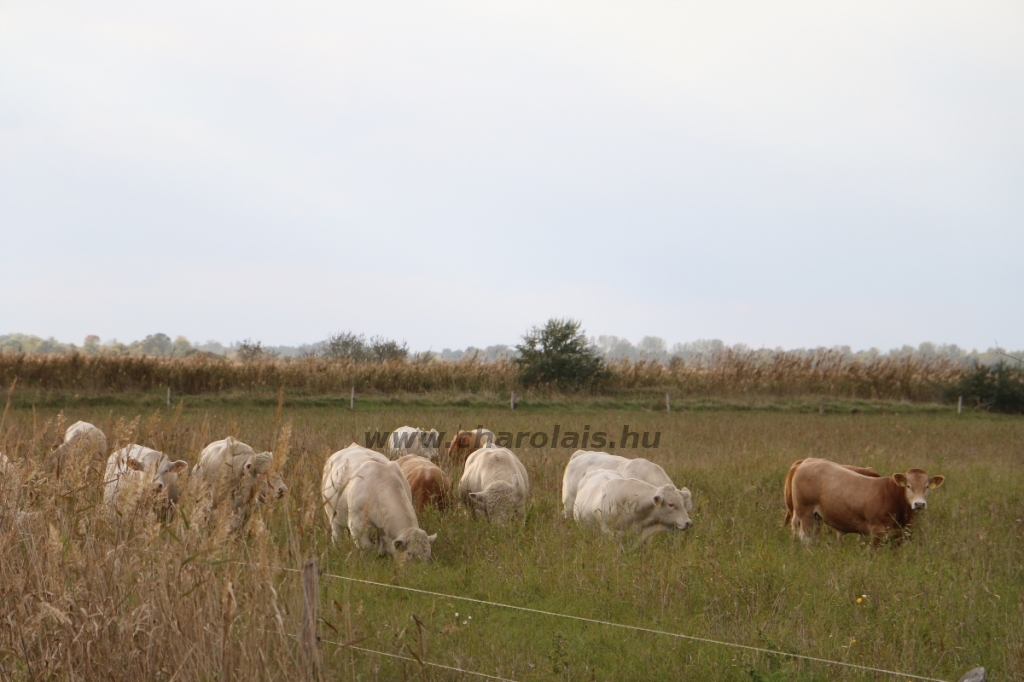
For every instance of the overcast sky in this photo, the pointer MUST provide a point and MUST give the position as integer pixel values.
(450, 174)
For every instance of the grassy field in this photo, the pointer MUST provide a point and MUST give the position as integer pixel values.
(85, 596)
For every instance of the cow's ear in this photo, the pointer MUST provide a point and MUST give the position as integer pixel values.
(901, 479)
(179, 466)
(658, 500)
(935, 481)
(135, 464)
(431, 538)
(516, 482)
(399, 545)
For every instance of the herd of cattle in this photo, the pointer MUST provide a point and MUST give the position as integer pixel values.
(376, 497)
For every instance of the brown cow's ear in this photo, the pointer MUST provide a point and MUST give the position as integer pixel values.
(901, 479)
(935, 481)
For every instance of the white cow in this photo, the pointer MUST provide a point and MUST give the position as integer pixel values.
(409, 440)
(82, 441)
(622, 504)
(138, 466)
(584, 461)
(367, 493)
(495, 484)
(231, 469)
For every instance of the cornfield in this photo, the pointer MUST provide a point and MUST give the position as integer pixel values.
(725, 374)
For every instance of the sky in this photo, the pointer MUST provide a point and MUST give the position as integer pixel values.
(451, 174)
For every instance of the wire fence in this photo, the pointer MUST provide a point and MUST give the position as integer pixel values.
(623, 626)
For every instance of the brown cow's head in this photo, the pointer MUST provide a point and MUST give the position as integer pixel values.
(916, 484)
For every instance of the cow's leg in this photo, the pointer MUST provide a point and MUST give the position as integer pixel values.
(805, 525)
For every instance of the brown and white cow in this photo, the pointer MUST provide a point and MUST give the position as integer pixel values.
(787, 492)
(429, 484)
(466, 442)
(851, 502)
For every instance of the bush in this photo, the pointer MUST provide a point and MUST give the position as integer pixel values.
(998, 388)
(557, 356)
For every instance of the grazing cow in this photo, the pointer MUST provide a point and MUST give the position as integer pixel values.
(83, 441)
(466, 442)
(428, 483)
(495, 484)
(409, 440)
(622, 504)
(787, 490)
(584, 461)
(140, 467)
(365, 492)
(229, 469)
(851, 502)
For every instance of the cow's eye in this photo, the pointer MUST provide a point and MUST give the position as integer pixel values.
(671, 505)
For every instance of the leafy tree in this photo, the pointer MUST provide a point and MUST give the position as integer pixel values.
(351, 346)
(557, 355)
(345, 346)
(386, 350)
(996, 388)
(250, 351)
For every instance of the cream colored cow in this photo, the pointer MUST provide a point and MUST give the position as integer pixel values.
(622, 505)
(495, 484)
(368, 494)
(136, 471)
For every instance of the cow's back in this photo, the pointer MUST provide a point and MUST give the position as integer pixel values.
(582, 462)
(490, 465)
(646, 470)
(380, 492)
(591, 493)
(217, 457)
(429, 484)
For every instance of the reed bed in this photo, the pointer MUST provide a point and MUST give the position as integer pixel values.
(728, 373)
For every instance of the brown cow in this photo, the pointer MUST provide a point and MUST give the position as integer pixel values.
(787, 492)
(429, 484)
(466, 442)
(853, 503)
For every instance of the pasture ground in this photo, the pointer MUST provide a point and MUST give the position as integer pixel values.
(86, 596)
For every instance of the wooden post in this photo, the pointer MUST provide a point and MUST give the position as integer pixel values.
(960, 405)
(168, 396)
(310, 615)
(512, 402)
(352, 399)
(668, 403)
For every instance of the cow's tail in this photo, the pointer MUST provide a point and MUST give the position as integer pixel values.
(787, 492)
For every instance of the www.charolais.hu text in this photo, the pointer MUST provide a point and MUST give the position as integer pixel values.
(556, 438)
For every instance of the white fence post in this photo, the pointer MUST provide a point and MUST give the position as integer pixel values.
(512, 401)
(960, 405)
(168, 396)
(668, 403)
(352, 399)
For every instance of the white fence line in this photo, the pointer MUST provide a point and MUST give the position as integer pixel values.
(635, 628)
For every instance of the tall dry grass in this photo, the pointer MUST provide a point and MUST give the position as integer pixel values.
(728, 373)
(90, 596)
(87, 594)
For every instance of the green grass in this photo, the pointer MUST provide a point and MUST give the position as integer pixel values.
(950, 599)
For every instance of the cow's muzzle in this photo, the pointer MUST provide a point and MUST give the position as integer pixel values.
(920, 504)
